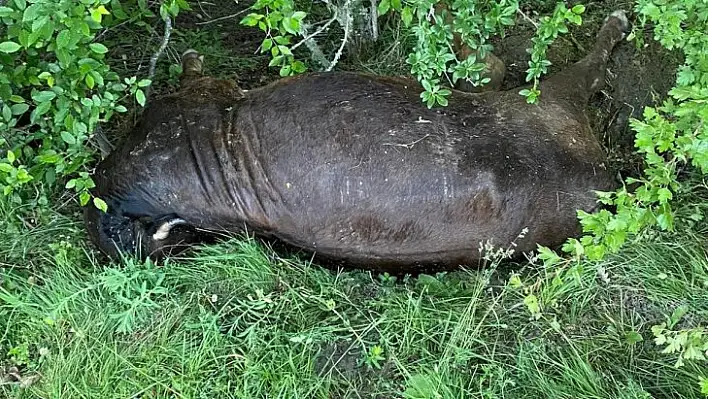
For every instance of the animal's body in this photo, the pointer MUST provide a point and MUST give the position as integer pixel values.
(356, 169)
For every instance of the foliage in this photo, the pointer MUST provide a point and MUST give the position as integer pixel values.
(56, 88)
(236, 320)
(689, 344)
(434, 55)
(673, 138)
(433, 60)
(280, 22)
(548, 30)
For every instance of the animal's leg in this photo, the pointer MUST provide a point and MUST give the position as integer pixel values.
(579, 82)
(495, 69)
(192, 66)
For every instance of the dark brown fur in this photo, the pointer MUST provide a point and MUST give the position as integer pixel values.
(356, 169)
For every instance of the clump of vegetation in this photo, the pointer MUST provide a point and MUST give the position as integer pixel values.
(598, 319)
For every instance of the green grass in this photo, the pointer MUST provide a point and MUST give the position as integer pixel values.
(237, 320)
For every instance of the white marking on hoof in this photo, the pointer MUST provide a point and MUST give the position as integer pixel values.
(621, 15)
(189, 51)
(164, 230)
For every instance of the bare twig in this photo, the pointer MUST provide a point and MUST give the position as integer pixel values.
(223, 18)
(203, 10)
(374, 21)
(346, 22)
(317, 32)
(156, 56)
(523, 14)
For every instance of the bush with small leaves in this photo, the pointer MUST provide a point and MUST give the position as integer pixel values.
(55, 89)
(280, 23)
(672, 137)
(433, 60)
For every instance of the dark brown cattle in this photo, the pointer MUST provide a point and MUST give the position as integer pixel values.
(356, 169)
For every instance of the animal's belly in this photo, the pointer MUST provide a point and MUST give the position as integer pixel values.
(421, 215)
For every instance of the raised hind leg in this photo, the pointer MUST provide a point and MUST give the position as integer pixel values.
(203, 88)
(192, 67)
(579, 82)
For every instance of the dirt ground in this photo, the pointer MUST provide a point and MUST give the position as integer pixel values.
(636, 77)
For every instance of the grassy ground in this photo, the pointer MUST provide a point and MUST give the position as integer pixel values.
(237, 320)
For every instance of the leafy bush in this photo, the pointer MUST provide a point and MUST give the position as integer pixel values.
(673, 137)
(475, 21)
(56, 88)
(433, 59)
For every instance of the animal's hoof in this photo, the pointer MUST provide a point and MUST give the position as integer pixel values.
(192, 62)
(623, 21)
(189, 53)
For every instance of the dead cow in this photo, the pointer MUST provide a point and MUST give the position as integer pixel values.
(355, 169)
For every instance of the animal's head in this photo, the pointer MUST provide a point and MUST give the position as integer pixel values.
(118, 234)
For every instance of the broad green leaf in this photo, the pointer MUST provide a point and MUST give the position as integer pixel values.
(407, 16)
(140, 97)
(6, 12)
(84, 198)
(89, 81)
(98, 48)
(664, 194)
(31, 12)
(68, 138)
(19, 109)
(63, 38)
(9, 47)
(267, 44)
(37, 26)
(43, 96)
(383, 7)
(578, 9)
(100, 204)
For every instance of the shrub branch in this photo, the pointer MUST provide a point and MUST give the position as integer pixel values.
(155, 57)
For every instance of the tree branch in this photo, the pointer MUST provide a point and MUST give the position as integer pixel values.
(224, 17)
(160, 50)
(527, 18)
(317, 32)
(346, 22)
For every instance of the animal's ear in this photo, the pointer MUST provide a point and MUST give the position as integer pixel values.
(163, 226)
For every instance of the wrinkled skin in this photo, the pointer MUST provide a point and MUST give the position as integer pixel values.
(355, 169)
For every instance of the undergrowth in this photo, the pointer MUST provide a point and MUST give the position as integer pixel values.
(237, 320)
